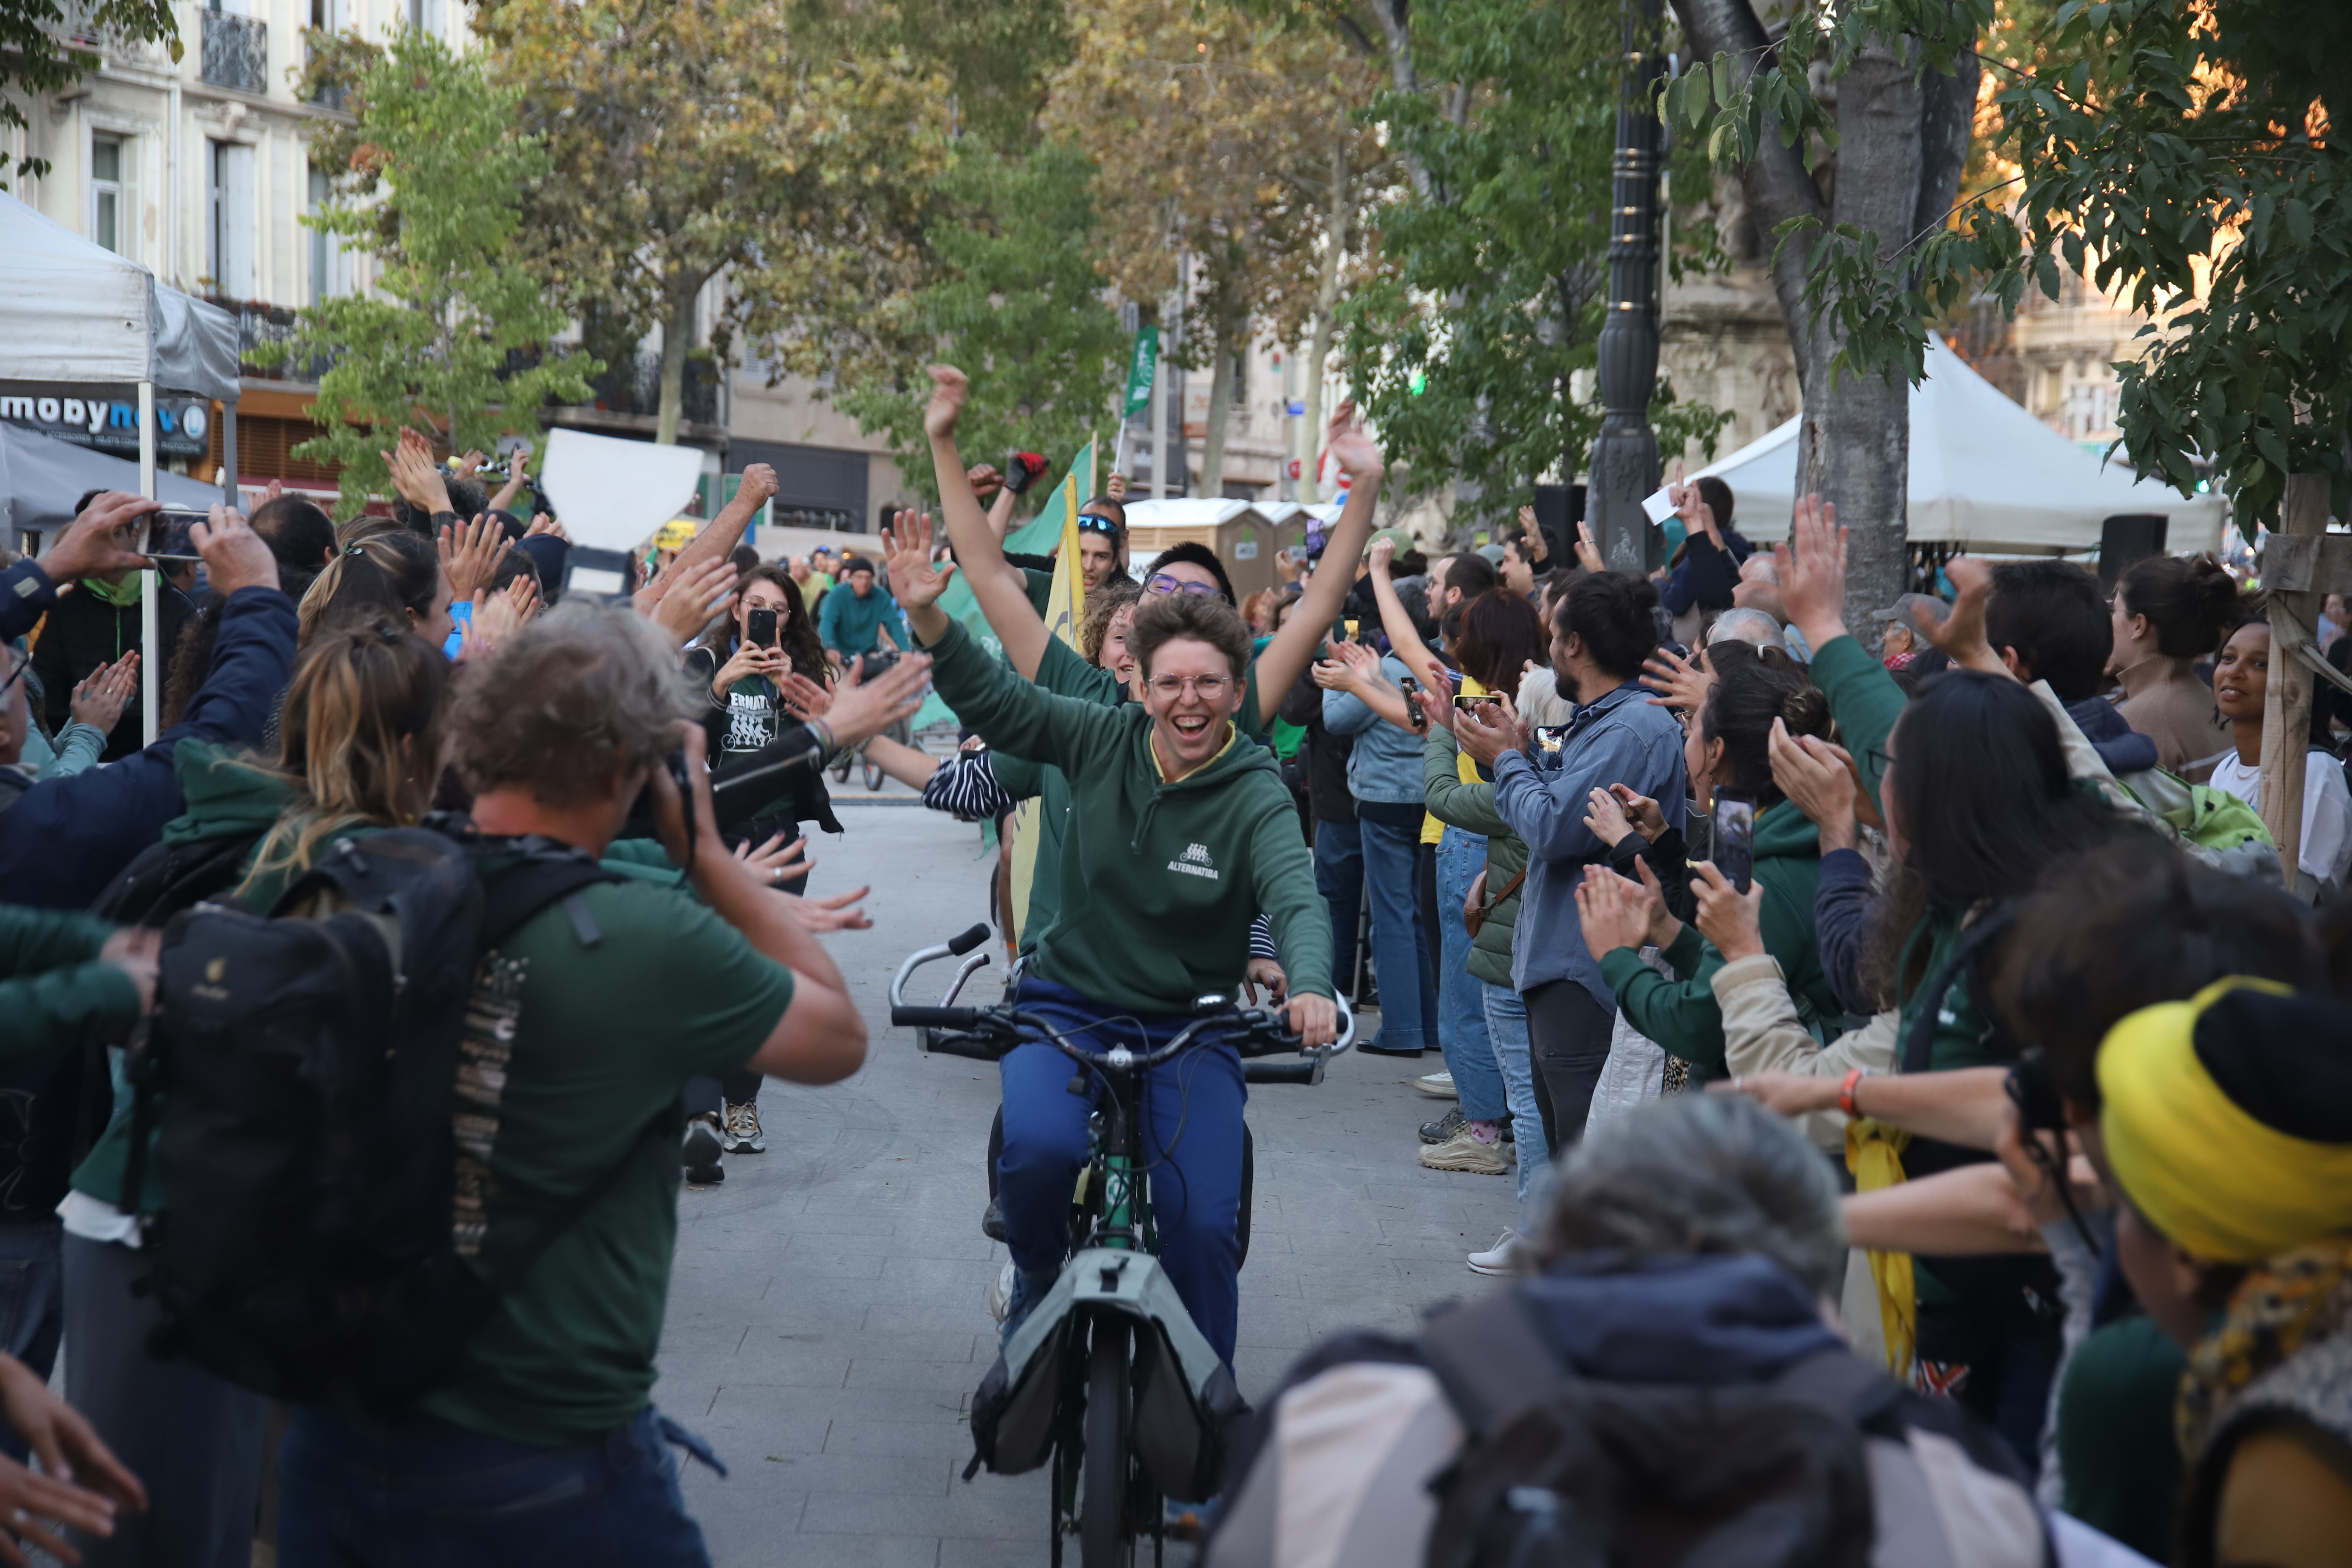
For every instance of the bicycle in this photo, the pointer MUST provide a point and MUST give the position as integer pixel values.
(1090, 1381)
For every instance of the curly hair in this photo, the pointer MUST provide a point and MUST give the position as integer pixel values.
(1103, 606)
(587, 698)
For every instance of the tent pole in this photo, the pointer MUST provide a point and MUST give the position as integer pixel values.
(150, 585)
(229, 494)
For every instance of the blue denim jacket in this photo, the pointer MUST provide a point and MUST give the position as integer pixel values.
(1386, 765)
(1617, 739)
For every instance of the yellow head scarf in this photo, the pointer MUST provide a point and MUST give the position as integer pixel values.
(2222, 1184)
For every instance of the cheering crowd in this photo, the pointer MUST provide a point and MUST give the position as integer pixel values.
(1928, 1098)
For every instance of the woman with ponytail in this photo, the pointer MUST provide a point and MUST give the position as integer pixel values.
(1728, 747)
(2168, 614)
(379, 569)
(360, 752)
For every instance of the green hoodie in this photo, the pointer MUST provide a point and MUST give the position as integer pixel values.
(1682, 1014)
(1159, 881)
(53, 993)
(1471, 806)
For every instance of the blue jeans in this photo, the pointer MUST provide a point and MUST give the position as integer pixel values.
(1191, 1141)
(1460, 1010)
(1401, 956)
(32, 1305)
(1506, 1028)
(1339, 878)
(398, 1491)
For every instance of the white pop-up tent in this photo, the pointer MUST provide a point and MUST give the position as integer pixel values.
(1985, 475)
(75, 313)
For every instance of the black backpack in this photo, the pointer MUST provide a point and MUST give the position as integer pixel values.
(311, 1063)
(1559, 1471)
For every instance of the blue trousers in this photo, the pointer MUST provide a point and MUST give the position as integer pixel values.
(1461, 996)
(1401, 949)
(402, 1492)
(32, 1305)
(1339, 878)
(1193, 1145)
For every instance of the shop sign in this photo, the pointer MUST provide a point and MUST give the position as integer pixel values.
(90, 417)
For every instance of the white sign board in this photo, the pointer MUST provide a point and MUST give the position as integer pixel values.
(613, 494)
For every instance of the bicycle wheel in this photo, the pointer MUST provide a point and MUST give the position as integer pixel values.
(873, 775)
(1103, 1539)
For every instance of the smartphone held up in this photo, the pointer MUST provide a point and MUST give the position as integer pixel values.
(1735, 837)
(167, 535)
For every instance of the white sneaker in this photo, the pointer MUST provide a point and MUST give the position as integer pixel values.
(1503, 1258)
(1436, 1085)
(742, 1124)
(1000, 1291)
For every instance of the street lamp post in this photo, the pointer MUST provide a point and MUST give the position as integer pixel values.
(1624, 464)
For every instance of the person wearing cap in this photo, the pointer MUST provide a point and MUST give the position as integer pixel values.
(1898, 643)
(2226, 1125)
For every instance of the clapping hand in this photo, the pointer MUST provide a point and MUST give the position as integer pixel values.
(1726, 917)
(98, 701)
(1490, 730)
(1812, 568)
(415, 477)
(1960, 631)
(1682, 683)
(470, 554)
(916, 579)
(681, 602)
(1610, 910)
(805, 697)
(1605, 818)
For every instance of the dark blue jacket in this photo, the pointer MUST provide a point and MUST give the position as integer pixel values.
(65, 838)
(1842, 922)
(1707, 575)
(25, 595)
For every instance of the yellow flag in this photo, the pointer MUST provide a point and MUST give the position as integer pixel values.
(1873, 1154)
(1064, 608)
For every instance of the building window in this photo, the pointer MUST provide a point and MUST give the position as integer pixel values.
(229, 230)
(109, 217)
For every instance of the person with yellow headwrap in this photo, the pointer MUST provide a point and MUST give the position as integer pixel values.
(2226, 1121)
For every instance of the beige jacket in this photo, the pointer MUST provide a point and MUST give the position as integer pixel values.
(1761, 1033)
(2164, 701)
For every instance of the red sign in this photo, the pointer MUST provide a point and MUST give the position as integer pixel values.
(1293, 468)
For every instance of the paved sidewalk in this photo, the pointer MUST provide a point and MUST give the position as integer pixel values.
(828, 1320)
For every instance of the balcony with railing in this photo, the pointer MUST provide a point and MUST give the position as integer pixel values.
(259, 323)
(236, 52)
(78, 28)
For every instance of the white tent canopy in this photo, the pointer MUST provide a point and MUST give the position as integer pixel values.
(1984, 475)
(74, 312)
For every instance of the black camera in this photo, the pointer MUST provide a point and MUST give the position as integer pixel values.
(875, 664)
(2036, 1096)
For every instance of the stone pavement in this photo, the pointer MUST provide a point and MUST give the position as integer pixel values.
(828, 1317)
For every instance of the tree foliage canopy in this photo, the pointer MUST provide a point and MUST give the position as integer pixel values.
(1491, 281)
(455, 331)
(2183, 155)
(39, 56)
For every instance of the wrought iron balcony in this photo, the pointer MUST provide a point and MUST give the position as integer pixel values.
(236, 52)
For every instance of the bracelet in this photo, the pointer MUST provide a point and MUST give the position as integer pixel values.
(1845, 1091)
(825, 730)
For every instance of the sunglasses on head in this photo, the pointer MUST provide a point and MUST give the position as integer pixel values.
(1163, 583)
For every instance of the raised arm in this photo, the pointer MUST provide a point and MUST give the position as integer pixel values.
(1286, 658)
(517, 476)
(1404, 638)
(1000, 589)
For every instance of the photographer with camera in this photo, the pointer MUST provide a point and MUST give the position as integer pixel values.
(862, 619)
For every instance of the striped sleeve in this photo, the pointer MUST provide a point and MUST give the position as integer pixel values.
(966, 788)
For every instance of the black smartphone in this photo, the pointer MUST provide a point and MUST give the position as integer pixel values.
(1412, 690)
(167, 534)
(761, 624)
(1735, 836)
(874, 664)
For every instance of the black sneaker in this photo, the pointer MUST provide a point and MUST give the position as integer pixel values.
(1444, 1128)
(991, 1220)
(701, 1153)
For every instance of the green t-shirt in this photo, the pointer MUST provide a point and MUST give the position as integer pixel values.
(603, 1040)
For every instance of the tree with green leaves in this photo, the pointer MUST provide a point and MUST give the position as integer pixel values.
(1892, 117)
(698, 140)
(1493, 264)
(39, 56)
(1015, 299)
(2184, 155)
(452, 316)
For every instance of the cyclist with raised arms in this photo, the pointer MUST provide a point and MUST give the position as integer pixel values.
(1179, 832)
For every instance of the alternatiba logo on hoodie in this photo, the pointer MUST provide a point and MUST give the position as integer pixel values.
(1195, 862)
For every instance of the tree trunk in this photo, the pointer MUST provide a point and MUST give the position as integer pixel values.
(678, 337)
(1901, 140)
(1396, 32)
(1318, 341)
(2286, 706)
(1221, 396)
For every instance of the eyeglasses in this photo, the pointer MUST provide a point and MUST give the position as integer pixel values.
(1879, 759)
(1091, 523)
(1163, 583)
(1207, 687)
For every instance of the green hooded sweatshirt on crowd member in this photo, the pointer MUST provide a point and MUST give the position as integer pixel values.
(1159, 881)
(1682, 1014)
(1471, 807)
(54, 993)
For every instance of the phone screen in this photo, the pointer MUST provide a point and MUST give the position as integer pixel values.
(1735, 836)
(762, 628)
(167, 535)
(1463, 699)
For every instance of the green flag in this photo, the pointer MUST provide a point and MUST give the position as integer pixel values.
(1140, 370)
